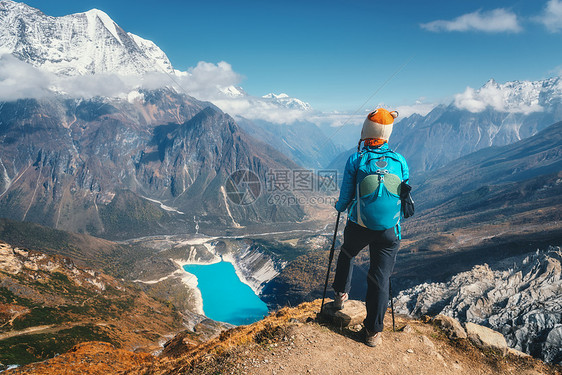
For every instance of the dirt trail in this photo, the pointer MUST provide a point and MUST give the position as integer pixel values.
(39, 329)
(316, 349)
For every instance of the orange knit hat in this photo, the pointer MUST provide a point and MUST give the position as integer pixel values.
(378, 124)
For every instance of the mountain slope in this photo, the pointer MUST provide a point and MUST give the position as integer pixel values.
(302, 141)
(120, 168)
(47, 305)
(77, 44)
(115, 259)
(538, 155)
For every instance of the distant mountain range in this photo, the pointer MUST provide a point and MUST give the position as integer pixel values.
(538, 155)
(301, 141)
(494, 115)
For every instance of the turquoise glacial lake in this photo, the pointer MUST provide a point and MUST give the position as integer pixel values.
(225, 297)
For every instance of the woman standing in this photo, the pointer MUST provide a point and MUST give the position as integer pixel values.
(373, 189)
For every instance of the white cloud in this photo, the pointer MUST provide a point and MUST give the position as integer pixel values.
(254, 108)
(337, 119)
(494, 21)
(206, 81)
(551, 16)
(419, 107)
(89, 86)
(20, 80)
(557, 71)
(498, 97)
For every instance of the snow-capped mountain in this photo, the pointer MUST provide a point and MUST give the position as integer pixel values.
(76, 44)
(233, 91)
(494, 115)
(284, 100)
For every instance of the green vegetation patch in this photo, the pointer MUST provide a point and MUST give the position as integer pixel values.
(38, 316)
(127, 213)
(6, 296)
(24, 349)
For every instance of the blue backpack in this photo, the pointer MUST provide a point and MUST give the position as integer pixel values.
(379, 177)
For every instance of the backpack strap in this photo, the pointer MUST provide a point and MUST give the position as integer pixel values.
(358, 205)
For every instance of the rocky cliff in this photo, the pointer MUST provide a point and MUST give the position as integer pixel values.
(520, 297)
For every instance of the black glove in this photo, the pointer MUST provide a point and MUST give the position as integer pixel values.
(407, 201)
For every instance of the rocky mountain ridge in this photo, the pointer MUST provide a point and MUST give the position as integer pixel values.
(450, 131)
(521, 297)
(537, 155)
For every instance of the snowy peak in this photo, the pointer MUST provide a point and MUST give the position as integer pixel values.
(274, 96)
(233, 91)
(95, 15)
(76, 44)
(285, 101)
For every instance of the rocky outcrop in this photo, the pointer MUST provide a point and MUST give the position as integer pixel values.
(352, 314)
(521, 297)
(486, 338)
(14, 260)
(450, 326)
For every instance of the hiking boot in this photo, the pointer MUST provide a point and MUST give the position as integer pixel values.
(339, 300)
(372, 338)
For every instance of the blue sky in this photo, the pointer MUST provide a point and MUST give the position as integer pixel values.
(336, 54)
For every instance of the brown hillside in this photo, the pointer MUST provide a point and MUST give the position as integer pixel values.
(48, 305)
(291, 342)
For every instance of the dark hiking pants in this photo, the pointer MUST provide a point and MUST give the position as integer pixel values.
(383, 247)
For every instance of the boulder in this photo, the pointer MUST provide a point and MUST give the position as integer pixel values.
(486, 338)
(353, 313)
(452, 328)
(517, 353)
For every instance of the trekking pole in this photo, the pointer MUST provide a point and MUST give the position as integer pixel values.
(391, 304)
(330, 262)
